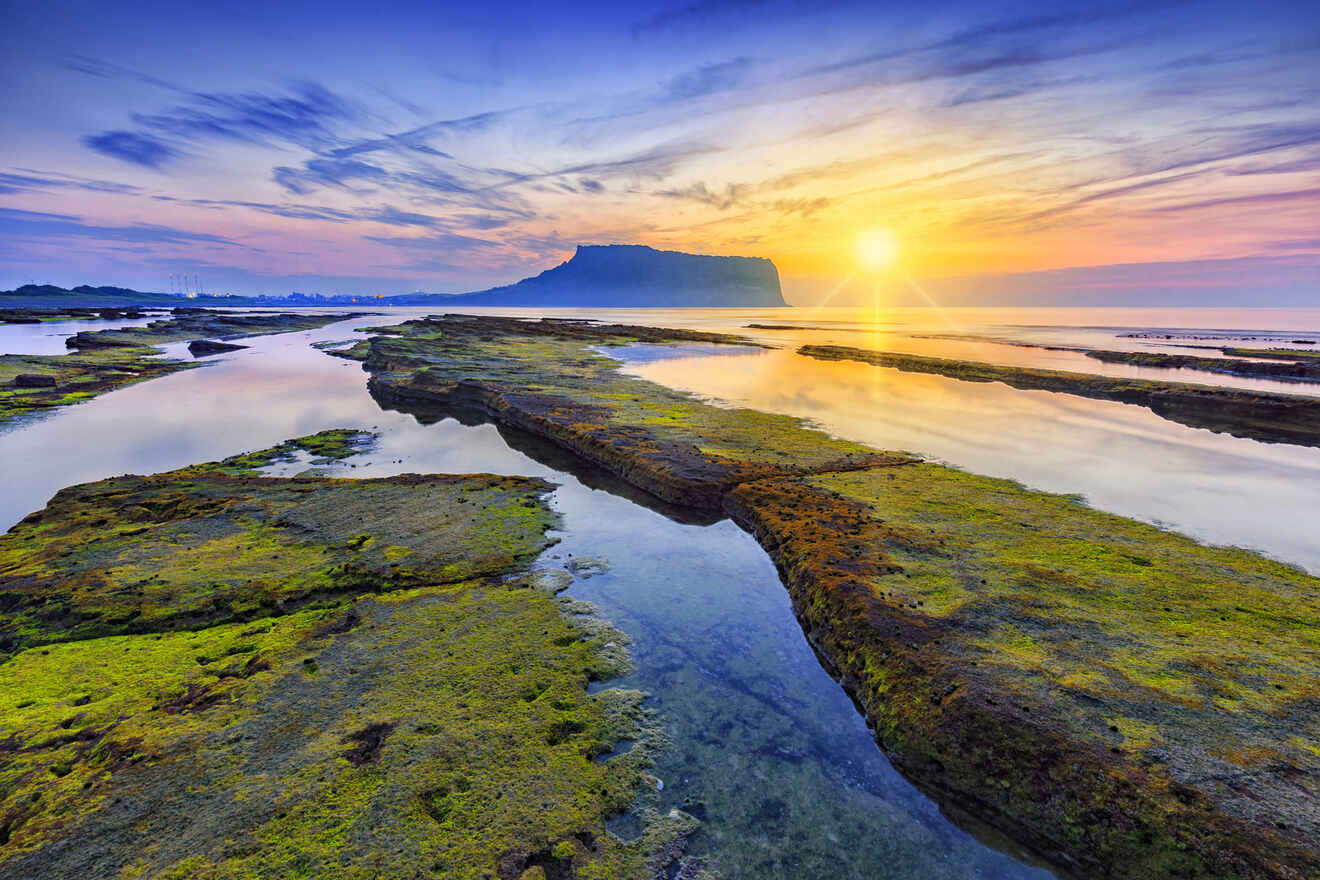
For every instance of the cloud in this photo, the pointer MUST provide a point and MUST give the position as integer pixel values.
(35, 224)
(327, 172)
(108, 70)
(446, 241)
(37, 181)
(1305, 196)
(707, 80)
(297, 212)
(691, 13)
(394, 217)
(299, 117)
(302, 116)
(802, 207)
(134, 147)
(481, 221)
(733, 195)
(1295, 244)
(991, 50)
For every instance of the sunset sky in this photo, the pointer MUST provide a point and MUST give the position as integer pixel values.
(1120, 152)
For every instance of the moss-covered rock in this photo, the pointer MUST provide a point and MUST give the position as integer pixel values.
(185, 325)
(545, 377)
(427, 715)
(1116, 696)
(201, 545)
(1124, 700)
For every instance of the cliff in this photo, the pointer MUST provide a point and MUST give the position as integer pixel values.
(620, 275)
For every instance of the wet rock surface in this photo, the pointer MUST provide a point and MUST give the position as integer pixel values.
(44, 315)
(1119, 699)
(204, 347)
(412, 703)
(542, 377)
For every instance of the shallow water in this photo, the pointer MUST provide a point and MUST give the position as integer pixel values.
(48, 338)
(1122, 458)
(767, 747)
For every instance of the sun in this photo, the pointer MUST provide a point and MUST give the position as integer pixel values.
(876, 249)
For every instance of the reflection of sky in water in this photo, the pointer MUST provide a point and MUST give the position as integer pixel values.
(645, 353)
(48, 337)
(766, 746)
(1123, 458)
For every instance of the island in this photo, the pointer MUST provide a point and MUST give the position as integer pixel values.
(630, 276)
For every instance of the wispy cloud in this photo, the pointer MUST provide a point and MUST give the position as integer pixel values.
(1306, 197)
(692, 13)
(28, 180)
(708, 79)
(36, 224)
(303, 117)
(137, 148)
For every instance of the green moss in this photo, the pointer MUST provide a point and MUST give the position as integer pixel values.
(579, 396)
(1062, 589)
(208, 544)
(440, 725)
(1088, 679)
(325, 447)
(446, 730)
(77, 377)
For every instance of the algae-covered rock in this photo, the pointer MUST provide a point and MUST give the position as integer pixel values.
(1119, 697)
(1123, 700)
(198, 546)
(204, 347)
(309, 677)
(203, 325)
(544, 377)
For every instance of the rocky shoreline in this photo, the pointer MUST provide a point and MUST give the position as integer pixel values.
(1255, 415)
(103, 360)
(1120, 699)
(212, 672)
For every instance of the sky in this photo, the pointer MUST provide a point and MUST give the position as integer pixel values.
(1003, 153)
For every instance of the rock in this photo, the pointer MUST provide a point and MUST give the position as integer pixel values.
(34, 380)
(587, 566)
(634, 275)
(204, 347)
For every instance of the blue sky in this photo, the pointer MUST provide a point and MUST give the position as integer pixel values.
(392, 147)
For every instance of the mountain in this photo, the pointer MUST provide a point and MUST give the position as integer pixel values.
(627, 275)
(598, 276)
(48, 296)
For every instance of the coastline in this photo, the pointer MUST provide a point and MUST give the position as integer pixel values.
(1094, 797)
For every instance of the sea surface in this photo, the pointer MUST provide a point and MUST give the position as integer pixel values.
(767, 749)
